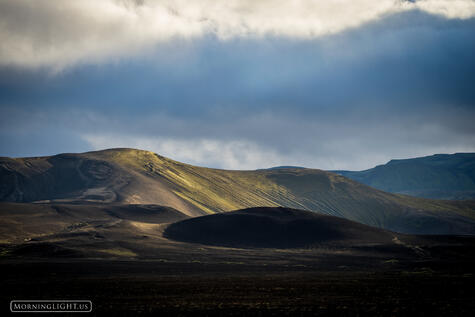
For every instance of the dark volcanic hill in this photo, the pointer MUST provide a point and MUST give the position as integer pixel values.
(440, 176)
(275, 227)
(128, 176)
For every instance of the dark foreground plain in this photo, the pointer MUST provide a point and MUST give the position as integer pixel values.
(137, 259)
(118, 287)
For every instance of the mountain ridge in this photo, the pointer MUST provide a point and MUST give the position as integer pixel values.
(129, 176)
(438, 176)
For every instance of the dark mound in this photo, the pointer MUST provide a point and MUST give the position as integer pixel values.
(275, 228)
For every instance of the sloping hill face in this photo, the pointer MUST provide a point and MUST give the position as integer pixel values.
(128, 176)
(115, 176)
(272, 227)
(440, 176)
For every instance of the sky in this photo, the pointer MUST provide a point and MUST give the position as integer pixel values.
(237, 84)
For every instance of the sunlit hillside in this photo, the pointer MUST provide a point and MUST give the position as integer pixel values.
(128, 176)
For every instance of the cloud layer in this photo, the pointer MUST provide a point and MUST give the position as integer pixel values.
(54, 34)
(236, 84)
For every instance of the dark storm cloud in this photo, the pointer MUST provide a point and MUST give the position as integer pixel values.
(401, 86)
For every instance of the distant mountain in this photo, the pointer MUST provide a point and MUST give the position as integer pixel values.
(440, 176)
(128, 176)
